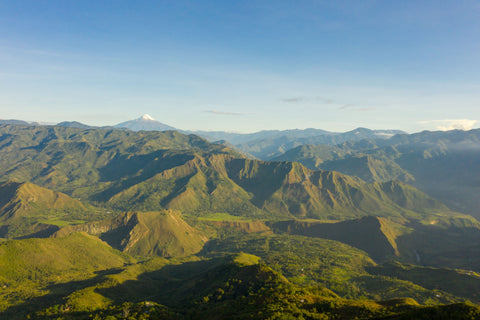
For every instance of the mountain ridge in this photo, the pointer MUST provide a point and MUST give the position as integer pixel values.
(151, 170)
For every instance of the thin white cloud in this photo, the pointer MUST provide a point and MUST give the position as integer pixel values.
(451, 124)
(299, 99)
(355, 108)
(308, 99)
(224, 113)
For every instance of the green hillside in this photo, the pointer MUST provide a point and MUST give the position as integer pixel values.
(267, 189)
(461, 283)
(28, 210)
(162, 234)
(36, 272)
(349, 272)
(78, 276)
(19, 200)
(445, 241)
(219, 288)
(374, 235)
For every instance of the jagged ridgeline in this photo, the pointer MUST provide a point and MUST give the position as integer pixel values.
(442, 164)
(148, 171)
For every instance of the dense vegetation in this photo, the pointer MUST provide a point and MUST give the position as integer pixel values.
(111, 224)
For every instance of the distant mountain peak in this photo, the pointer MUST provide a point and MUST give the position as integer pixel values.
(73, 124)
(146, 117)
(145, 122)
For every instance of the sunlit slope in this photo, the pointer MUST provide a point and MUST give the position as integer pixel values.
(145, 234)
(26, 199)
(27, 209)
(75, 253)
(221, 183)
(36, 272)
(199, 185)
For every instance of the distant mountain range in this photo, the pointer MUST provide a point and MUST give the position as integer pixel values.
(12, 121)
(445, 165)
(273, 144)
(264, 145)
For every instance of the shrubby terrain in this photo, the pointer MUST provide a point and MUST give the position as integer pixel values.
(114, 224)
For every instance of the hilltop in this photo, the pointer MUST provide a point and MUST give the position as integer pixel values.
(27, 209)
(162, 234)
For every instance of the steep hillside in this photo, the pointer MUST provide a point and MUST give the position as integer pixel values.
(447, 240)
(77, 252)
(26, 199)
(221, 183)
(29, 210)
(145, 234)
(36, 272)
(374, 235)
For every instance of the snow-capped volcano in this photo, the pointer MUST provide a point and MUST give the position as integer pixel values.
(145, 122)
(146, 117)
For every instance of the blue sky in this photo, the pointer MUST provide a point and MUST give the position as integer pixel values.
(243, 65)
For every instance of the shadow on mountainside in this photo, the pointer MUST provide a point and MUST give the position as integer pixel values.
(172, 285)
(131, 170)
